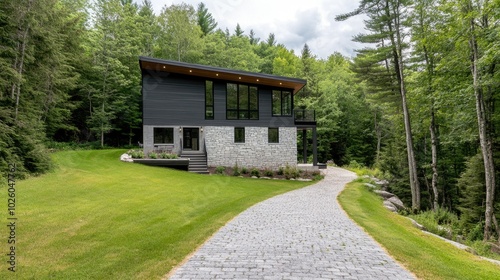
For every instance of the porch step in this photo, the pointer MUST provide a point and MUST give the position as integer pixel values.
(197, 162)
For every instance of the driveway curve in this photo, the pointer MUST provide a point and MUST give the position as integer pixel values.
(302, 234)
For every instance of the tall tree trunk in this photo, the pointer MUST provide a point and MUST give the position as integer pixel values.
(23, 32)
(432, 129)
(395, 36)
(484, 137)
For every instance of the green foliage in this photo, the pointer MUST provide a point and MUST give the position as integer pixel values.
(220, 170)
(244, 170)
(281, 171)
(136, 153)
(472, 189)
(153, 155)
(255, 172)
(236, 170)
(268, 172)
(291, 172)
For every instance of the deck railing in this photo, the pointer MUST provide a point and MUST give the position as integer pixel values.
(304, 115)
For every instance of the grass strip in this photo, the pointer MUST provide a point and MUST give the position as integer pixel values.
(426, 256)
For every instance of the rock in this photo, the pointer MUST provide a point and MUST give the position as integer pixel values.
(370, 185)
(390, 206)
(254, 177)
(292, 179)
(447, 231)
(126, 158)
(495, 248)
(381, 182)
(304, 180)
(417, 225)
(267, 178)
(397, 202)
(384, 194)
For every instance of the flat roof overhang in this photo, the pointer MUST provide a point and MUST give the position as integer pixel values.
(209, 72)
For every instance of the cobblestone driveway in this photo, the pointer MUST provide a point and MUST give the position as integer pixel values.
(303, 234)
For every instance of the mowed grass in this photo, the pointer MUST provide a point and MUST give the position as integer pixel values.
(426, 256)
(95, 217)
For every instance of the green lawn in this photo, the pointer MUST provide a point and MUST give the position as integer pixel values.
(95, 217)
(426, 256)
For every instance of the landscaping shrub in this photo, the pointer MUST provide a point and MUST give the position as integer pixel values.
(268, 172)
(281, 171)
(153, 155)
(255, 172)
(244, 170)
(136, 153)
(236, 170)
(220, 170)
(291, 172)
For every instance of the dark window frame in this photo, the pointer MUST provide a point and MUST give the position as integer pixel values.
(164, 136)
(240, 141)
(283, 109)
(243, 114)
(207, 106)
(272, 141)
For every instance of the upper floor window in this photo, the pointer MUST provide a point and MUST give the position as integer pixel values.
(163, 135)
(209, 100)
(282, 103)
(242, 102)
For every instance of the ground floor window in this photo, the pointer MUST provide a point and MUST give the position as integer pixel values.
(273, 135)
(239, 135)
(163, 135)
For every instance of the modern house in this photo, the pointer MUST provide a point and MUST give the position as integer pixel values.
(222, 117)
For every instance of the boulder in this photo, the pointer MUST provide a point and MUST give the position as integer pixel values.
(495, 248)
(384, 194)
(126, 158)
(397, 202)
(390, 206)
(372, 186)
(417, 225)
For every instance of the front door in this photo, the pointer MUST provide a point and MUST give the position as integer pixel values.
(191, 138)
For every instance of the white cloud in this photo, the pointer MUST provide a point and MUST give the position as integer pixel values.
(294, 23)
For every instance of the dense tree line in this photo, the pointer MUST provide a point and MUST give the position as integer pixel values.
(419, 102)
(431, 68)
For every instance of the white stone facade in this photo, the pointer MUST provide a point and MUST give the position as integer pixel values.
(255, 152)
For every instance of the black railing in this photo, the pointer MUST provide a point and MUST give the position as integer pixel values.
(304, 115)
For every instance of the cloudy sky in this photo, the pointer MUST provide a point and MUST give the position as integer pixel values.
(293, 22)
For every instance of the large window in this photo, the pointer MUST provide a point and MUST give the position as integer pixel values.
(209, 100)
(242, 102)
(239, 135)
(282, 103)
(163, 135)
(273, 135)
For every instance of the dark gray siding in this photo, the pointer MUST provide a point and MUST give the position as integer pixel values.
(180, 100)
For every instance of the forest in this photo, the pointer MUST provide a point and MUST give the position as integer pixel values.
(418, 102)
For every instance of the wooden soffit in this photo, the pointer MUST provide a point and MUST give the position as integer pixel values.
(216, 73)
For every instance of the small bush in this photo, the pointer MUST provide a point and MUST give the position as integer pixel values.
(255, 172)
(220, 170)
(268, 173)
(244, 170)
(153, 155)
(167, 156)
(236, 170)
(281, 171)
(291, 172)
(136, 153)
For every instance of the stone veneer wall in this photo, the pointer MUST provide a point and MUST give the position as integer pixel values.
(255, 152)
